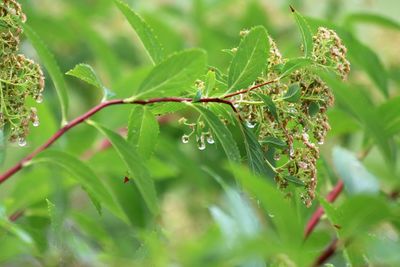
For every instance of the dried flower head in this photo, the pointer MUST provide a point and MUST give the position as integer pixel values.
(20, 77)
(295, 123)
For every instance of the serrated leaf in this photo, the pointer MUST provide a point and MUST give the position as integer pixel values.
(255, 154)
(175, 75)
(137, 170)
(222, 133)
(87, 74)
(293, 93)
(270, 104)
(52, 67)
(84, 175)
(305, 31)
(143, 30)
(295, 64)
(355, 176)
(294, 180)
(250, 60)
(143, 130)
(274, 142)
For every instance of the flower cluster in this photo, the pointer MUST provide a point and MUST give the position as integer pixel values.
(289, 116)
(20, 77)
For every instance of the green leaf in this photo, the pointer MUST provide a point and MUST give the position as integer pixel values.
(87, 74)
(294, 180)
(355, 176)
(6, 224)
(52, 67)
(143, 30)
(281, 213)
(84, 175)
(137, 170)
(389, 113)
(274, 142)
(313, 109)
(376, 19)
(270, 104)
(295, 64)
(222, 133)
(255, 154)
(175, 75)
(293, 93)
(305, 31)
(143, 130)
(250, 60)
(211, 80)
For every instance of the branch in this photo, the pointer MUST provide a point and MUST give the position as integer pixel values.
(25, 161)
(316, 217)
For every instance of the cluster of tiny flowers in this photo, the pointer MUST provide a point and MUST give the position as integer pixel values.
(20, 77)
(292, 128)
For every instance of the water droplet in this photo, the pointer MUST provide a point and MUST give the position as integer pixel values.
(36, 123)
(39, 98)
(236, 104)
(306, 137)
(250, 124)
(185, 139)
(291, 151)
(321, 142)
(201, 143)
(210, 140)
(292, 110)
(21, 142)
(277, 156)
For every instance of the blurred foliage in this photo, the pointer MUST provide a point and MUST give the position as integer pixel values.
(198, 216)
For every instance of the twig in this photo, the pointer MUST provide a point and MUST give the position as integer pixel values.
(316, 217)
(327, 253)
(19, 165)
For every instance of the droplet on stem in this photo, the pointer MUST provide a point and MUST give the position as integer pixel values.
(210, 139)
(36, 123)
(185, 139)
(201, 143)
(39, 98)
(21, 142)
(250, 124)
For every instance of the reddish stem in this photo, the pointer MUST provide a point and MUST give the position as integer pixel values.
(328, 252)
(249, 89)
(17, 167)
(315, 218)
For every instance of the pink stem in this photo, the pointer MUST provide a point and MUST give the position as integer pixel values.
(315, 218)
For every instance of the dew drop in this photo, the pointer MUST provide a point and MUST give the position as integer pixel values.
(277, 156)
(21, 142)
(39, 98)
(291, 151)
(320, 142)
(185, 139)
(36, 123)
(210, 140)
(201, 143)
(292, 110)
(236, 105)
(250, 124)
